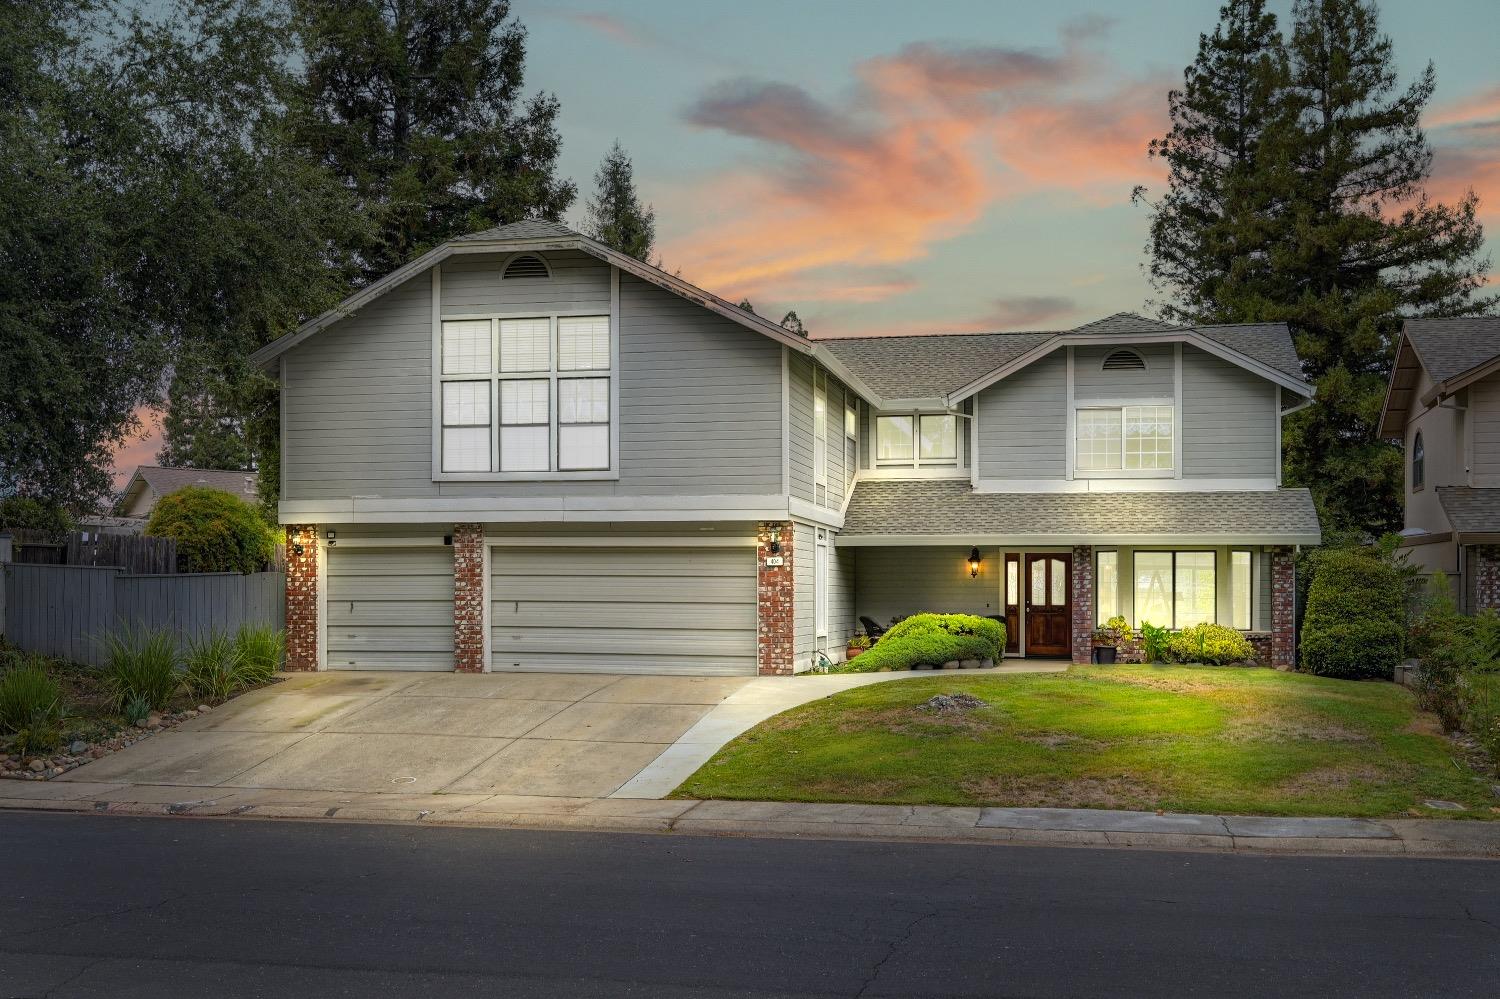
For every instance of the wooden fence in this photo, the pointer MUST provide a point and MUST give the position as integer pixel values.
(134, 553)
(65, 610)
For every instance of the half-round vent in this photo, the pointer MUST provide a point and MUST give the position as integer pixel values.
(527, 266)
(1124, 360)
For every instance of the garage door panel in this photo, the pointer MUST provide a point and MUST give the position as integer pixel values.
(379, 613)
(393, 588)
(636, 610)
(390, 608)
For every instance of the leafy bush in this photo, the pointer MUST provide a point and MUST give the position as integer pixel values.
(215, 531)
(1355, 627)
(213, 665)
(142, 666)
(30, 700)
(1154, 641)
(27, 514)
(1453, 653)
(261, 649)
(1212, 644)
(932, 639)
(1120, 627)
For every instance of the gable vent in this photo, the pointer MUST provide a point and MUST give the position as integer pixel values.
(527, 266)
(1124, 360)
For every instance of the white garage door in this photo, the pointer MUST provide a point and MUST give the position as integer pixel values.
(390, 608)
(623, 610)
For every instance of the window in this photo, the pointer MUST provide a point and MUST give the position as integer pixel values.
(1418, 462)
(1175, 589)
(893, 440)
(851, 440)
(1240, 589)
(820, 428)
(939, 439)
(1127, 438)
(820, 586)
(1106, 586)
(917, 440)
(526, 395)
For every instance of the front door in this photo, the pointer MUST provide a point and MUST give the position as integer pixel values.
(1049, 618)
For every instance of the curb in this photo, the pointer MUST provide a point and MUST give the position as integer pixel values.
(782, 820)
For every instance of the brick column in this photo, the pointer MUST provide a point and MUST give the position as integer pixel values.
(1283, 609)
(1083, 603)
(468, 598)
(776, 594)
(302, 599)
(1486, 569)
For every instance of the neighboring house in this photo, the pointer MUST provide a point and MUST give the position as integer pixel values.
(150, 483)
(525, 451)
(1443, 404)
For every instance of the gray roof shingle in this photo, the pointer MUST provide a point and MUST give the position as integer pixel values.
(167, 480)
(1450, 347)
(1471, 510)
(950, 508)
(525, 229)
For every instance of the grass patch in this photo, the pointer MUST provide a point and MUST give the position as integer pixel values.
(1183, 739)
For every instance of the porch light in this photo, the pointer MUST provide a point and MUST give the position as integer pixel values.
(974, 562)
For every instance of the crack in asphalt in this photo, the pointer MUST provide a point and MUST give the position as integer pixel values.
(892, 947)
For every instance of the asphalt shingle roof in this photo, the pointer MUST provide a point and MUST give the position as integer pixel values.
(1471, 510)
(167, 480)
(527, 229)
(1450, 347)
(937, 507)
(925, 367)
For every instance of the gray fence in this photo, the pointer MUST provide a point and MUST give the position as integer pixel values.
(64, 610)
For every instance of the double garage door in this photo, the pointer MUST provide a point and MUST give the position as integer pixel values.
(688, 610)
(623, 610)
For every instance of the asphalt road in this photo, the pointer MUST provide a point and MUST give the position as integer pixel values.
(122, 907)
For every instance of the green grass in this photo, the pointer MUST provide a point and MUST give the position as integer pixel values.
(1182, 739)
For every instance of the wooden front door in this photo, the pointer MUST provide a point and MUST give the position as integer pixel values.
(1049, 605)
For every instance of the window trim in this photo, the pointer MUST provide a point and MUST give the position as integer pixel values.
(1120, 406)
(820, 585)
(1135, 610)
(820, 437)
(916, 467)
(1099, 616)
(1249, 587)
(1418, 463)
(552, 375)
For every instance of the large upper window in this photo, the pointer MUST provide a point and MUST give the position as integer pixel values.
(526, 395)
(1131, 439)
(917, 439)
(1175, 589)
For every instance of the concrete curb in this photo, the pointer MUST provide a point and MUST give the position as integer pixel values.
(791, 820)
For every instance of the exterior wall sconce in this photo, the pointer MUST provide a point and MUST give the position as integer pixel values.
(296, 548)
(332, 536)
(974, 562)
(775, 547)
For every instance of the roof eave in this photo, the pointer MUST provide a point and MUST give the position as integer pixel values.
(1301, 537)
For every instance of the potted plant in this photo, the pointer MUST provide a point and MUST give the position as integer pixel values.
(857, 644)
(1104, 646)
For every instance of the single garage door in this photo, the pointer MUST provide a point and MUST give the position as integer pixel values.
(624, 610)
(390, 608)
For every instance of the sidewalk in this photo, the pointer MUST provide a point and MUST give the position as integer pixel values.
(786, 820)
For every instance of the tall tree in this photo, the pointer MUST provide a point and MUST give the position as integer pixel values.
(616, 217)
(1345, 246)
(417, 106)
(1213, 214)
(204, 426)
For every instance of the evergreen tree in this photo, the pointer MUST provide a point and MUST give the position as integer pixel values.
(416, 105)
(792, 323)
(1213, 215)
(204, 425)
(615, 215)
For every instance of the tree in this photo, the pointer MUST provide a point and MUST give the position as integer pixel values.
(792, 323)
(1331, 232)
(204, 425)
(417, 108)
(215, 531)
(1212, 218)
(615, 215)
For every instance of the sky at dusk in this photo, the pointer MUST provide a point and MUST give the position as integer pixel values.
(889, 167)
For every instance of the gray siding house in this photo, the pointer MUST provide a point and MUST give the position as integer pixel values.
(1443, 405)
(525, 451)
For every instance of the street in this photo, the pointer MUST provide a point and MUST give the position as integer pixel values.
(121, 907)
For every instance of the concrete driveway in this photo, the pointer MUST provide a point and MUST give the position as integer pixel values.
(501, 735)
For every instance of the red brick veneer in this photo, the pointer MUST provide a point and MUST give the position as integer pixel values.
(468, 598)
(776, 596)
(302, 599)
(1083, 603)
(1486, 578)
(1283, 609)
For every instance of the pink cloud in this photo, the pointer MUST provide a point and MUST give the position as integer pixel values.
(931, 137)
(1465, 138)
(1003, 315)
(139, 449)
(615, 28)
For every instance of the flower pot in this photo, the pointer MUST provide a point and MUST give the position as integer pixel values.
(1104, 655)
(851, 652)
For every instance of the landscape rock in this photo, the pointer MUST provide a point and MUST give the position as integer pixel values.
(203, 708)
(78, 746)
(945, 703)
(37, 766)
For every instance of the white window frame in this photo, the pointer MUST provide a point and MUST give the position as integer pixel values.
(1172, 583)
(820, 428)
(1121, 406)
(916, 467)
(552, 376)
(851, 440)
(1250, 588)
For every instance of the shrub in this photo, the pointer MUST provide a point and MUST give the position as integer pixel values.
(214, 667)
(1212, 644)
(215, 531)
(27, 514)
(1154, 641)
(30, 700)
(1355, 626)
(142, 667)
(932, 639)
(261, 648)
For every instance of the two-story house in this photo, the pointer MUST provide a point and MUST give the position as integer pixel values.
(525, 451)
(1443, 404)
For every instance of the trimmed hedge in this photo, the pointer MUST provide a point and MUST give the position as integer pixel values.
(215, 531)
(1211, 644)
(1355, 627)
(931, 640)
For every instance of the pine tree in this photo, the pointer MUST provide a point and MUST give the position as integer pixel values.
(792, 323)
(1212, 217)
(204, 426)
(417, 106)
(615, 215)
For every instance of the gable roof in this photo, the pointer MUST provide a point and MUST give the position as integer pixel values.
(1454, 352)
(168, 480)
(949, 366)
(1471, 511)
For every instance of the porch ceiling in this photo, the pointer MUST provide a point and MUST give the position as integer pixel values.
(901, 512)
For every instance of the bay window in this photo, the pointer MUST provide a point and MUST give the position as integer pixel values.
(526, 395)
(1133, 440)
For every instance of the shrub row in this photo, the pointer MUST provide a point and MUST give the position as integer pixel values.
(931, 640)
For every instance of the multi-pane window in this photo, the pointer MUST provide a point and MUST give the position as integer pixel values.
(939, 435)
(917, 439)
(893, 440)
(526, 395)
(1125, 438)
(1175, 589)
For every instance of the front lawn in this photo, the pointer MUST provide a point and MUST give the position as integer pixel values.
(1181, 739)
